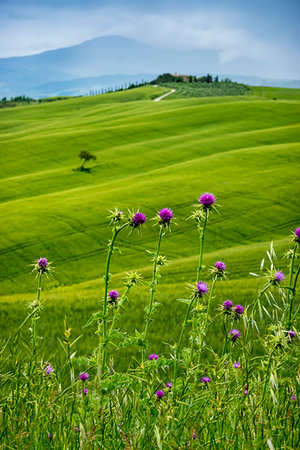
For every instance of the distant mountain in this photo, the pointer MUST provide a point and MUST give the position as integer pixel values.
(97, 57)
(73, 70)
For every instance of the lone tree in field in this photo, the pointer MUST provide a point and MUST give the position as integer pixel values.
(85, 156)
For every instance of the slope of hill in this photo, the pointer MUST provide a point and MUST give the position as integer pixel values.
(149, 155)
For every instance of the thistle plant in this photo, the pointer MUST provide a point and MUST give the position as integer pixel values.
(200, 215)
(245, 395)
(163, 219)
(41, 267)
(135, 220)
(293, 278)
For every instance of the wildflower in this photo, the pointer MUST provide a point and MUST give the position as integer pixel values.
(83, 376)
(76, 429)
(291, 334)
(234, 334)
(238, 309)
(85, 391)
(219, 270)
(165, 215)
(153, 356)
(160, 394)
(293, 397)
(246, 392)
(50, 436)
(42, 265)
(207, 200)
(297, 235)
(277, 277)
(48, 369)
(227, 305)
(220, 266)
(113, 295)
(195, 436)
(169, 385)
(138, 219)
(202, 288)
(237, 365)
(205, 380)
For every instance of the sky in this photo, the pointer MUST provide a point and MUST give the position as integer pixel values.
(261, 32)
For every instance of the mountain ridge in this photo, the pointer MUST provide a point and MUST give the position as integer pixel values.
(104, 56)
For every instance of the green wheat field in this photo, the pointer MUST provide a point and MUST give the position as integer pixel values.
(150, 155)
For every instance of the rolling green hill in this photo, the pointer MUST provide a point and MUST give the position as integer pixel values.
(150, 155)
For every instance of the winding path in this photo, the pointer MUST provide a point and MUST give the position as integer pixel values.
(165, 95)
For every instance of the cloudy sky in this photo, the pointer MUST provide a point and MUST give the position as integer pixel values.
(262, 32)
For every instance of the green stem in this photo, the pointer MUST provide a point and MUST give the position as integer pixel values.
(202, 235)
(291, 277)
(152, 291)
(292, 298)
(200, 267)
(35, 316)
(118, 308)
(178, 348)
(207, 313)
(103, 338)
(226, 335)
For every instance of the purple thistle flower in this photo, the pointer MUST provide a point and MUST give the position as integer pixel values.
(292, 334)
(202, 288)
(278, 277)
(297, 234)
(169, 385)
(237, 365)
(195, 436)
(138, 219)
(113, 295)
(166, 215)
(43, 263)
(293, 397)
(246, 392)
(205, 380)
(76, 429)
(220, 266)
(83, 376)
(85, 391)
(49, 369)
(238, 309)
(234, 334)
(153, 356)
(227, 305)
(160, 394)
(207, 200)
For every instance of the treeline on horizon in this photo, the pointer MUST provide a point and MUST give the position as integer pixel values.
(169, 78)
(161, 79)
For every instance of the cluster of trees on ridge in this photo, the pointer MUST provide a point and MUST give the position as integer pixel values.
(169, 78)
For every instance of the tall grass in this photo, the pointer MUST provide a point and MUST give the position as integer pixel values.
(237, 397)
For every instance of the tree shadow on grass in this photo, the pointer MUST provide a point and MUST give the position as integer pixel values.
(83, 169)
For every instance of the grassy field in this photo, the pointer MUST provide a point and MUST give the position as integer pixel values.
(150, 155)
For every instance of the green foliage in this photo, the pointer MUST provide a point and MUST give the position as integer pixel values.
(206, 87)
